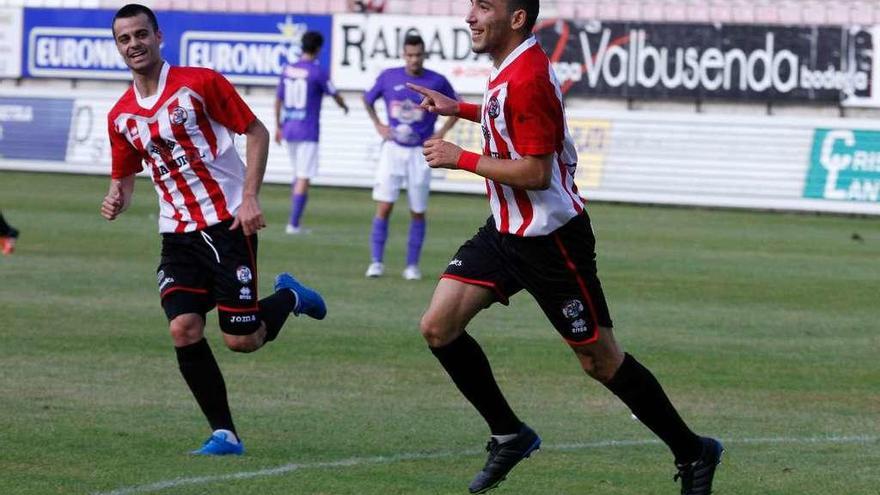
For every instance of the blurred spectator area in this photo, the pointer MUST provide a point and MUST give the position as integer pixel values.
(728, 11)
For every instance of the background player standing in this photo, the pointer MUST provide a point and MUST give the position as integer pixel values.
(538, 238)
(180, 121)
(298, 119)
(400, 159)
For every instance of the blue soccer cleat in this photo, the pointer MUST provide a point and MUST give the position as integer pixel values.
(308, 301)
(222, 442)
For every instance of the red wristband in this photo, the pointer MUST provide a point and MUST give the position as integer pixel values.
(469, 111)
(468, 161)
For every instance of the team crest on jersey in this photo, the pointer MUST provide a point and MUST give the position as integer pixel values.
(572, 309)
(243, 274)
(178, 115)
(493, 108)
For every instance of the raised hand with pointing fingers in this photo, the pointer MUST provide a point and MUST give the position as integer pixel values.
(435, 101)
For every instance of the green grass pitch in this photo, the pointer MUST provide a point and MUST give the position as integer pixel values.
(762, 327)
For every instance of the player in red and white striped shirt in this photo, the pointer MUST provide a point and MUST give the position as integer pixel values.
(180, 122)
(539, 238)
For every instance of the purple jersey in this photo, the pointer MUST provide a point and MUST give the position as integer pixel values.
(301, 89)
(410, 124)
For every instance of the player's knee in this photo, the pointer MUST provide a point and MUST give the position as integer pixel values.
(436, 331)
(186, 329)
(242, 343)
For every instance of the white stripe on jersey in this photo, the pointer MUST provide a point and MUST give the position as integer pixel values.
(198, 189)
(225, 167)
(166, 209)
(550, 208)
(198, 139)
(191, 181)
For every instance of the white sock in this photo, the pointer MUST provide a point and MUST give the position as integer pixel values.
(504, 438)
(230, 437)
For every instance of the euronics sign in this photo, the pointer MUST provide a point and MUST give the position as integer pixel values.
(844, 166)
(74, 52)
(246, 48)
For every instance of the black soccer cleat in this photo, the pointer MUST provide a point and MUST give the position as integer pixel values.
(502, 457)
(696, 477)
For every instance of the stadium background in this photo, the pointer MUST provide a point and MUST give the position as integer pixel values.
(761, 326)
(761, 104)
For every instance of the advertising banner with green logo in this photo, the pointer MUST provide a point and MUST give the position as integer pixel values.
(844, 166)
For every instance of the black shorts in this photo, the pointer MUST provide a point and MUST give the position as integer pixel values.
(558, 270)
(215, 266)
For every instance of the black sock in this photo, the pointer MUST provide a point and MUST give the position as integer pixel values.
(4, 227)
(466, 364)
(274, 311)
(638, 389)
(200, 370)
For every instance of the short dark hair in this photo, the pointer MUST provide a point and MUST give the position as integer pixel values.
(413, 39)
(312, 41)
(530, 6)
(132, 10)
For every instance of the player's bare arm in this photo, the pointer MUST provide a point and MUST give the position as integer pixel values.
(437, 102)
(340, 101)
(381, 128)
(531, 172)
(250, 216)
(118, 197)
(278, 123)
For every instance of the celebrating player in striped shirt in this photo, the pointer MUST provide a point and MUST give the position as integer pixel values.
(538, 238)
(180, 122)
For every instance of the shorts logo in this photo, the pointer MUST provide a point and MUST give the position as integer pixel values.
(243, 274)
(486, 136)
(572, 309)
(245, 294)
(455, 262)
(160, 276)
(579, 326)
(494, 108)
(165, 283)
(178, 115)
(243, 319)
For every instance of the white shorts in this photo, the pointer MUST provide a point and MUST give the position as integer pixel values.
(303, 158)
(399, 166)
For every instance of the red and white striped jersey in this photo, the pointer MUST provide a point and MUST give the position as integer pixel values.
(184, 133)
(523, 115)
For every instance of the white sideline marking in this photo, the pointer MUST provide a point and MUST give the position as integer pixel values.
(375, 460)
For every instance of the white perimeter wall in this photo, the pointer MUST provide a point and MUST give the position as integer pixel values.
(657, 156)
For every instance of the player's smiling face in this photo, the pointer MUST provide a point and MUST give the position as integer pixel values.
(137, 42)
(490, 23)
